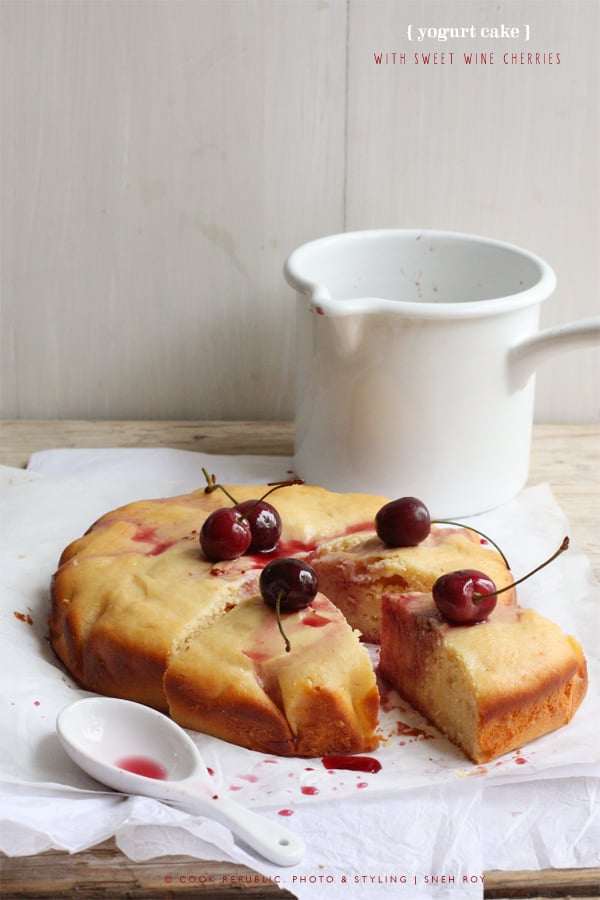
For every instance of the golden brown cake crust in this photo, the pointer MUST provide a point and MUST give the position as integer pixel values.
(490, 687)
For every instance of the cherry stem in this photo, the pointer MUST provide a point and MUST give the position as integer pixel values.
(275, 485)
(279, 623)
(509, 587)
(470, 528)
(212, 485)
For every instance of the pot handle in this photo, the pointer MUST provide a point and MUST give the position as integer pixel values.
(525, 357)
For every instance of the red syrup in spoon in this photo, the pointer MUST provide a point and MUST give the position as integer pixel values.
(353, 763)
(142, 765)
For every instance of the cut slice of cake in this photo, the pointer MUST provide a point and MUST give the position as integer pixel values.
(490, 687)
(356, 570)
(236, 681)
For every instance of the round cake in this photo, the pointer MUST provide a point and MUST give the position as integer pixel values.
(139, 612)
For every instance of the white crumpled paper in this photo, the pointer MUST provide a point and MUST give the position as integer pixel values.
(428, 824)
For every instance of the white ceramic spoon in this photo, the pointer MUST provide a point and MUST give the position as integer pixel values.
(103, 734)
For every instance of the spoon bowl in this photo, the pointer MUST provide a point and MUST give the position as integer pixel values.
(137, 750)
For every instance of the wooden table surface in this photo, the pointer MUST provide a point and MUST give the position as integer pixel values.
(565, 456)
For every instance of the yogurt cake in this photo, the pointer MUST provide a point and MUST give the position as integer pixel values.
(139, 612)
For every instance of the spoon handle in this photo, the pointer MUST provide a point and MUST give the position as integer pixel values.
(269, 838)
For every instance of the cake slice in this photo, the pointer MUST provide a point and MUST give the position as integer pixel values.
(490, 687)
(357, 569)
(235, 680)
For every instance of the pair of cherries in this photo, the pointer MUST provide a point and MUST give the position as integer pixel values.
(464, 597)
(252, 526)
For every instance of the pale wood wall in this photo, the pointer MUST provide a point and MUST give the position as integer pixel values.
(161, 158)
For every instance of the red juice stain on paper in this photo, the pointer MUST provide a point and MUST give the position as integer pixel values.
(142, 765)
(353, 763)
(309, 790)
(520, 761)
(285, 812)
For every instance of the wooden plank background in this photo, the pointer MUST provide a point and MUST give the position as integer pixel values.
(161, 158)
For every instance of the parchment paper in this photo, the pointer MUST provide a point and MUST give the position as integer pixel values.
(421, 826)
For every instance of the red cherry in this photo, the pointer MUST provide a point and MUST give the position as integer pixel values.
(265, 524)
(469, 596)
(403, 523)
(225, 534)
(406, 522)
(291, 582)
(287, 585)
(465, 597)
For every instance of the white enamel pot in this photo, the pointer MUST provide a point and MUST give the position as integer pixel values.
(416, 354)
